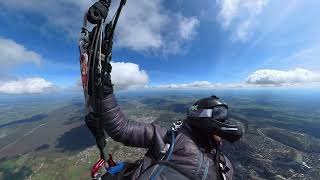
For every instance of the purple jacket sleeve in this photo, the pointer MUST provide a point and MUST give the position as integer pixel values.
(130, 133)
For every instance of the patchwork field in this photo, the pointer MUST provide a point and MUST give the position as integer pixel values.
(41, 139)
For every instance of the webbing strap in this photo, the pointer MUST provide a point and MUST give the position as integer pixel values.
(157, 172)
(168, 155)
(199, 162)
(205, 174)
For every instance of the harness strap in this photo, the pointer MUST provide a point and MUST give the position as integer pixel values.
(168, 155)
(205, 174)
(199, 162)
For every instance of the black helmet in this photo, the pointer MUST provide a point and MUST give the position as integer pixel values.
(211, 115)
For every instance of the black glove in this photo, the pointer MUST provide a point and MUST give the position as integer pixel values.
(107, 85)
(92, 124)
(98, 11)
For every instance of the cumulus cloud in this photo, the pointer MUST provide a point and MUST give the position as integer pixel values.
(13, 54)
(27, 86)
(277, 77)
(128, 75)
(143, 25)
(240, 16)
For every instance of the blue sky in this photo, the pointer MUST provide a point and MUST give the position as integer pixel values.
(162, 44)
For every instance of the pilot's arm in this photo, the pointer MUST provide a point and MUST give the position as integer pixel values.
(130, 133)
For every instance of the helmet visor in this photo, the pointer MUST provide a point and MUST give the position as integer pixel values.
(219, 113)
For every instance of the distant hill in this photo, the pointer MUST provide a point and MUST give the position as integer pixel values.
(299, 141)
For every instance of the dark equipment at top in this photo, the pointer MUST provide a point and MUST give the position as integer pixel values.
(95, 56)
(98, 11)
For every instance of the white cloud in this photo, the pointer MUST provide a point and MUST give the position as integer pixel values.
(287, 78)
(197, 85)
(143, 25)
(128, 75)
(148, 25)
(125, 75)
(13, 54)
(187, 27)
(240, 16)
(27, 86)
(260, 78)
(228, 11)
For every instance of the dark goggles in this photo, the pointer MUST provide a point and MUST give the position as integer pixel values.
(219, 113)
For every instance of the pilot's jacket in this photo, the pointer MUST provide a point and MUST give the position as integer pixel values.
(187, 154)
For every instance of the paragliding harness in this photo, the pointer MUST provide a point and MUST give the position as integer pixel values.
(95, 55)
(163, 168)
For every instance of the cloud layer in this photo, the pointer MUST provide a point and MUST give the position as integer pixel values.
(259, 78)
(197, 85)
(276, 77)
(27, 86)
(128, 75)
